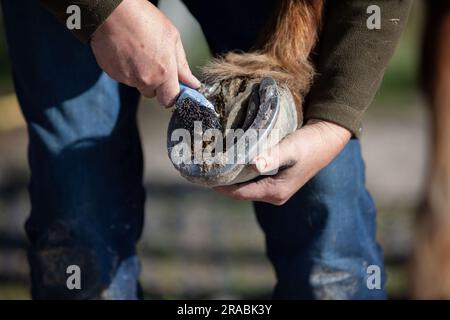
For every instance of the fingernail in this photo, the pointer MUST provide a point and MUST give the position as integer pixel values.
(198, 83)
(261, 164)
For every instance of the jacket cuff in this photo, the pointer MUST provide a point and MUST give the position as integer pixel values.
(340, 114)
(93, 14)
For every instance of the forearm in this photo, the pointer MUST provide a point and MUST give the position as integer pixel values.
(93, 14)
(352, 59)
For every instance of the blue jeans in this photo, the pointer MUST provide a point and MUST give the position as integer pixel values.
(86, 173)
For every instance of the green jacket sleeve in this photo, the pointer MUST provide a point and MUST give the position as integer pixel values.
(93, 14)
(352, 59)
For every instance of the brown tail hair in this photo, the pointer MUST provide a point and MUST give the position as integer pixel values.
(283, 52)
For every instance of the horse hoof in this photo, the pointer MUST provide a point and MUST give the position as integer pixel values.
(255, 114)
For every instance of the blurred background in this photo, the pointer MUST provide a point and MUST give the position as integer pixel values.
(196, 243)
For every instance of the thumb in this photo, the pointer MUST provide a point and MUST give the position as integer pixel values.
(269, 161)
(184, 73)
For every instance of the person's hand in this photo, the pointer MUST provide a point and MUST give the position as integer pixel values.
(138, 46)
(299, 157)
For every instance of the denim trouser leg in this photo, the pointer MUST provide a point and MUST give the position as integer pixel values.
(322, 241)
(85, 157)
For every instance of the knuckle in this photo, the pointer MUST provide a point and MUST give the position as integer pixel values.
(143, 83)
(162, 99)
(158, 74)
(168, 93)
(278, 202)
(237, 195)
(279, 197)
(172, 32)
(145, 80)
(162, 70)
(155, 78)
(165, 100)
(184, 65)
(129, 81)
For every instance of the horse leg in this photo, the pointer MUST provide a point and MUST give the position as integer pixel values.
(430, 265)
